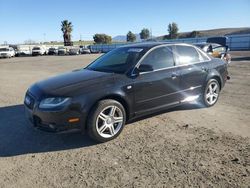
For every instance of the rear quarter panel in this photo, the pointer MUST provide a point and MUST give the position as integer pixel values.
(218, 68)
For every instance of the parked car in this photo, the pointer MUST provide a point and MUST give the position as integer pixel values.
(52, 51)
(39, 50)
(84, 50)
(62, 50)
(74, 51)
(7, 52)
(126, 83)
(216, 50)
(23, 52)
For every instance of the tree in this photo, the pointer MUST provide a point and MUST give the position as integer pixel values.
(102, 39)
(67, 28)
(173, 30)
(144, 34)
(131, 37)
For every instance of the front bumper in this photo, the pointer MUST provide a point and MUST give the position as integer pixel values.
(52, 53)
(61, 53)
(4, 55)
(36, 53)
(54, 121)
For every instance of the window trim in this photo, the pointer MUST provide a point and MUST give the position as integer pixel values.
(174, 58)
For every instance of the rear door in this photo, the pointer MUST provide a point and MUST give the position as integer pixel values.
(157, 88)
(194, 68)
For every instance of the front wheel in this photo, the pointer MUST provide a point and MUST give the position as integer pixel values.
(211, 93)
(106, 120)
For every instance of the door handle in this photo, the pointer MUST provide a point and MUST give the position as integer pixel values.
(174, 76)
(204, 69)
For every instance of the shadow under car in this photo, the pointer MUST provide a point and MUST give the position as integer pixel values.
(18, 137)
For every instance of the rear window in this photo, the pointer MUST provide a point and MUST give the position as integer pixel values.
(187, 55)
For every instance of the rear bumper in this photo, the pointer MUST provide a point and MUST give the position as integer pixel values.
(61, 53)
(52, 53)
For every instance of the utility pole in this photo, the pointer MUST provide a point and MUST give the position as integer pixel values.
(81, 39)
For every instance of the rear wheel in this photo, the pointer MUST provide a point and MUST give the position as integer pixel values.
(211, 93)
(106, 120)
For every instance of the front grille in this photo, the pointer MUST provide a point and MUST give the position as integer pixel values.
(29, 101)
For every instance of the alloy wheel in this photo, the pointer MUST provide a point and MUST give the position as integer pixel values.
(109, 121)
(212, 93)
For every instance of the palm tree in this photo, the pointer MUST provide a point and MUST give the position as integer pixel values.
(66, 28)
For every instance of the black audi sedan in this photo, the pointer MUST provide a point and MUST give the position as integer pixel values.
(126, 83)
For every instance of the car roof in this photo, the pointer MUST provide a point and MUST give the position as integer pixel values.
(152, 44)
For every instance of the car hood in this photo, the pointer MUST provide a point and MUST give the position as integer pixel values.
(70, 83)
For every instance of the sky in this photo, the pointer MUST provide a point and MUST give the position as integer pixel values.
(40, 20)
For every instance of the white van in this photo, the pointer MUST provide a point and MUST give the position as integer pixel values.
(39, 50)
(7, 52)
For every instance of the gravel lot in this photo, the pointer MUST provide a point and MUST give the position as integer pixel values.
(182, 147)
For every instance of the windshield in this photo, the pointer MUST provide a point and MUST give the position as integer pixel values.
(36, 48)
(118, 60)
(4, 49)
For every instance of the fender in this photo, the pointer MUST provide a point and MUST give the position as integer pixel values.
(213, 73)
(124, 96)
(117, 94)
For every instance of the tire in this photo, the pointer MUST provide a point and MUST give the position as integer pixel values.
(102, 125)
(211, 93)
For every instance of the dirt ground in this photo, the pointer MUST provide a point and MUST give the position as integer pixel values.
(182, 147)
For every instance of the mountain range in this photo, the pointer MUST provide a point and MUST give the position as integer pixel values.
(201, 33)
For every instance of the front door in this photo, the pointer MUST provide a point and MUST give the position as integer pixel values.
(159, 87)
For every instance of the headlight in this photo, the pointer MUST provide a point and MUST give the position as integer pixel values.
(53, 102)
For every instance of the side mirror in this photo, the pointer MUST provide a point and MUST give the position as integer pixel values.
(145, 68)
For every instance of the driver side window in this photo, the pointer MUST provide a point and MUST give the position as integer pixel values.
(159, 58)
